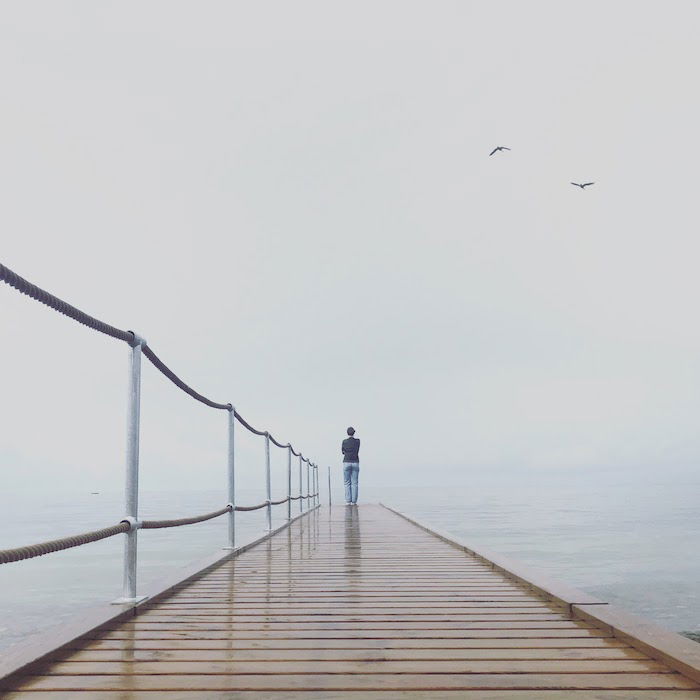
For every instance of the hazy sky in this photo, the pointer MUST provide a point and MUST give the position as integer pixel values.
(294, 203)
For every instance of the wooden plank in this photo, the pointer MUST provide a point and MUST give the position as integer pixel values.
(378, 596)
(402, 588)
(371, 572)
(476, 622)
(331, 606)
(326, 654)
(403, 643)
(309, 604)
(361, 682)
(354, 634)
(358, 569)
(350, 615)
(323, 564)
(370, 607)
(319, 666)
(321, 607)
(425, 622)
(127, 694)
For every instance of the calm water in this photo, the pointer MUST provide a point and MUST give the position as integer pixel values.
(629, 538)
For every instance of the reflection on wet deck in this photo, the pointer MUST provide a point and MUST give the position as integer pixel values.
(354, 602)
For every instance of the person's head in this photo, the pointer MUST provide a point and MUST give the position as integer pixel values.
(351, 431)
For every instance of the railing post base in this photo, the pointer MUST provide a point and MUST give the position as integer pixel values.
(129, 601)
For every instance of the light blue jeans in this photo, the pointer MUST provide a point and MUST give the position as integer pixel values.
(351, 472)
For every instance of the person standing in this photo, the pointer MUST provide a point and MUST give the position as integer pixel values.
(351, 466)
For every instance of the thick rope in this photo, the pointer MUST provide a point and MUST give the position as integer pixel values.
(31, 290)
(162, 367)
(247, 425)
(255, 431)
(37, 550)
(261, 505)
(279, 444)
(153, 524)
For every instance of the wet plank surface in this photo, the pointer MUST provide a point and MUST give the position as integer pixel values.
(354, 602)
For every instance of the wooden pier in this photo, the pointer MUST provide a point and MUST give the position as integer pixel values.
(359, 602)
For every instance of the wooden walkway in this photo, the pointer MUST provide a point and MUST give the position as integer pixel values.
(354, 603)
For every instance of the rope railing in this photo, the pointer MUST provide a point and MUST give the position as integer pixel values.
(280, 502)
(37, 550)
(247, 425)
(31, 551)
(8, 556)
(264, 433)
(24, 286)
(264, 504)
(131, 524)
(279, 444)
(166, 371)
(154, 524)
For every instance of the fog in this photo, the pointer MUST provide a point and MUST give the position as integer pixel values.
(295, 204)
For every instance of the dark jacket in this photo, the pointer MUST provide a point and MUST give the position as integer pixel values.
(351, 450)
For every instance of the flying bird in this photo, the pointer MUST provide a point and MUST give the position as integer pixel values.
(585, 184)
(499, 148)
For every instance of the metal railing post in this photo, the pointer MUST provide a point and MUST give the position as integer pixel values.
(267, 480)
(329, 487)
(315, 484)
(231, 479)
(289, 482)
(301, 500)
(308, 482)
(131, 489)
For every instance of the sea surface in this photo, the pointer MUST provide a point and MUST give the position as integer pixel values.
(630, 538)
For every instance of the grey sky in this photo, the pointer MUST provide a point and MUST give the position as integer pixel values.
(294, 203)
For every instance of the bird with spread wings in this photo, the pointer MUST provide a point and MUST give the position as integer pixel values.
(584, 185)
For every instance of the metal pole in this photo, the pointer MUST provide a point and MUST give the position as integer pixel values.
(301, 500)
(289, 482)
(231, 479)
(329, 486)
(131, 490)
(267, 481)
(316, 484)
(308, 481)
